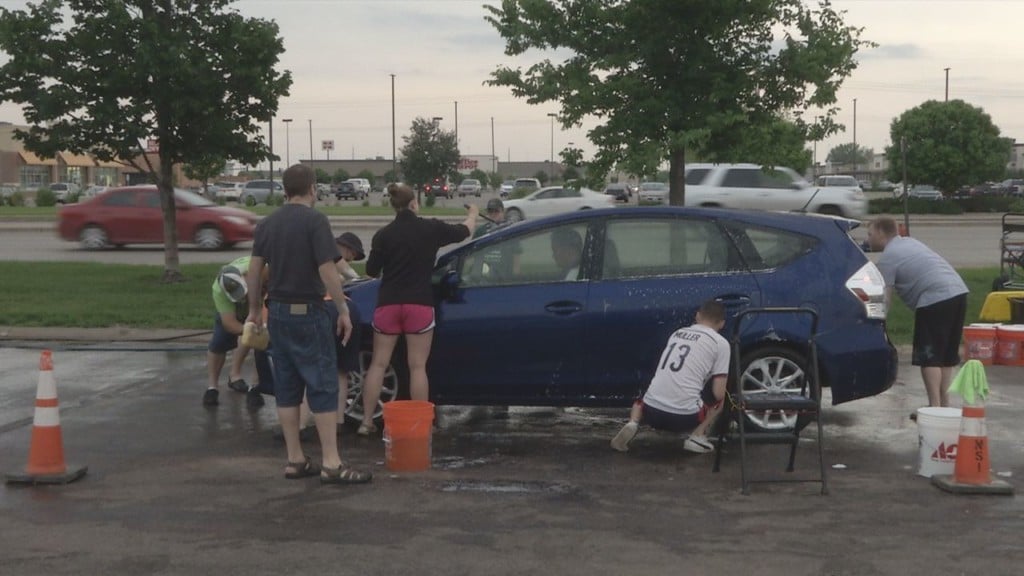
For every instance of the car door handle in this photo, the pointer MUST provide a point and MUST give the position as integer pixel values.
(564, 308)
(733, 300)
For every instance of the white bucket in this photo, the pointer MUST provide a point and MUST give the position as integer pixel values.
(938, 430)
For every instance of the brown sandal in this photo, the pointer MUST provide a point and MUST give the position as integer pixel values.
(344, 475)
(302, 469)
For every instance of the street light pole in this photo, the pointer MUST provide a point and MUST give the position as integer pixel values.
(310, 142)
(814, 156)
(394, 157)
(947, 84)
(287, 141)
(456, 123)
(856, 152)
(494, 167)
(271, 158)
(551, 159)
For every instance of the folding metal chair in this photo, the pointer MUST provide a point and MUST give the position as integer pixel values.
(805, 402)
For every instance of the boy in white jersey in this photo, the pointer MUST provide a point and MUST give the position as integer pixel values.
(688, 386)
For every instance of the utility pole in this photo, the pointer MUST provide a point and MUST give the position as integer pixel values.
(271, 154)
(814, 157)
(456, 123)
(394, 157)
(551, 159)
(906, 191)
(856, 151)
(310, 142)
(494, 159)
(287, 141)
(947, 84)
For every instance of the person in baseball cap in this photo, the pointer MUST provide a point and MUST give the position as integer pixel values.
(495, 217)
(351, 249)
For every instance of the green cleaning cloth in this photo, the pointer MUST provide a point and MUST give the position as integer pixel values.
(971, 381)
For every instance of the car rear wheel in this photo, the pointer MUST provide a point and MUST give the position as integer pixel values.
(514, 215)
(830, 210)
(210, 238)
(389, 391)
(772, 369)
(93, 237)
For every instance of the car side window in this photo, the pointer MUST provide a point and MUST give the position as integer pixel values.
(549, 255)
(651, 248)
(775, 179)
(570, 193)
(767, 248)
(151, 199)
(548, 194)
(742, 178)
(125, 198)
(695, 176)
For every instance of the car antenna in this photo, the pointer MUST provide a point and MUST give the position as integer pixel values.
(803, 209)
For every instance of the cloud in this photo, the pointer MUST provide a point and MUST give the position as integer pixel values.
(893, 52)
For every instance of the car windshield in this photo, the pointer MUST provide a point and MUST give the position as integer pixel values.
(191, 198)
(470, 182)
(841, 181)
(653, 186)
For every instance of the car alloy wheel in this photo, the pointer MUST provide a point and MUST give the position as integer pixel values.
(210, 238)
(514, 215)
(388, 392)
(93, 238)
(772, 370)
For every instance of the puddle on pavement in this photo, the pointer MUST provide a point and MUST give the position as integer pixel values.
(511, 487)
(458, 463)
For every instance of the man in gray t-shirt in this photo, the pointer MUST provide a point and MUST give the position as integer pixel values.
(933, 289)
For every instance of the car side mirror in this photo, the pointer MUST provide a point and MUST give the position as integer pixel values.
(450, 283)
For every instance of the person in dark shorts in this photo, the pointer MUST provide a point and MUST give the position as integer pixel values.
(935, 292)
(688, 386)
(297, 244)
(403, 255)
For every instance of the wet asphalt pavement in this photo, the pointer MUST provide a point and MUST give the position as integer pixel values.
(174, 488)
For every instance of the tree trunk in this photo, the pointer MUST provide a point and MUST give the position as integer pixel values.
(677, 177)
(165, 184)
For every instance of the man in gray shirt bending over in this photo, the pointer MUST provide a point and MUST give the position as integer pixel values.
(932, 288)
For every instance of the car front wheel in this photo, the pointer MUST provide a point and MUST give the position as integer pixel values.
(772, 369)
(210, 238)
(93, 237)
(514, 215)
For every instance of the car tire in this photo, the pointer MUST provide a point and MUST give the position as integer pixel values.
(396, 385)
(210, 237)
(772, 369)
(94, 237)
(830, 210)
(514, 215)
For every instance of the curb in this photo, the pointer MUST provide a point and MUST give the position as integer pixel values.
(59, 335)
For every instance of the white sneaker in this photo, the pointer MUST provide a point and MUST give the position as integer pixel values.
(625, 436)
(698, 444)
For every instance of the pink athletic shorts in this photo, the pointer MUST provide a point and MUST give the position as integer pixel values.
(397, 319)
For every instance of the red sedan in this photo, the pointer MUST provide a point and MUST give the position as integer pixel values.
(132, 215)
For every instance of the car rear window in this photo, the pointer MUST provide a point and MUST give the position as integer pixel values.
(644, 248)
(765, 248)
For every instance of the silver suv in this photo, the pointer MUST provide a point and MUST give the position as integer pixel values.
(257, 191)
(749, 186)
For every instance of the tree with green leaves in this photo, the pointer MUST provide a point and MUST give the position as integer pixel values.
(203, 169)
(496, 180)
(698, 69)
(390, 176)
(779, 142)
(428, 153)
(542, 177)
(196, 78)
(850, 154)
(340, 175)
(948, 144)
(480, 175)
(367, 175)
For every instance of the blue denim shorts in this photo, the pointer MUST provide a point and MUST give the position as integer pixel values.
(304, 357)
(222, 341)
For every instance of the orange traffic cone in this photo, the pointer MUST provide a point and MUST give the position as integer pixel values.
(971, 473)
(46, 453)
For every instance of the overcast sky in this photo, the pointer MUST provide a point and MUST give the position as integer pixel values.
(341, 54)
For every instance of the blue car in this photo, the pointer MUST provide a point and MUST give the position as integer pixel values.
(574, 310)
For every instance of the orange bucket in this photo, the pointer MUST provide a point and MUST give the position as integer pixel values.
(980, 343)
(408, 425)
(1010, 345)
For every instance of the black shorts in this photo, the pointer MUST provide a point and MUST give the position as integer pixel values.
(937, 332)
(672, 422)
(348, 355)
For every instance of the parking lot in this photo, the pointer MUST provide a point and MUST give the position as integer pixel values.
(176, 489)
